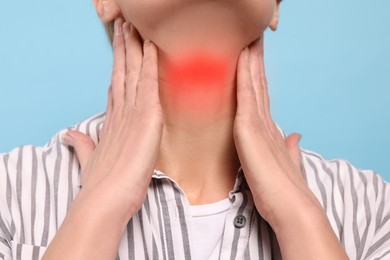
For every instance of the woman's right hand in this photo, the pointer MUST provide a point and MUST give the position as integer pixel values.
(130, 138)
(116, 173)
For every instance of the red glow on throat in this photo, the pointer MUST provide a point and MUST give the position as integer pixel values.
(196, 83)
(198, 70)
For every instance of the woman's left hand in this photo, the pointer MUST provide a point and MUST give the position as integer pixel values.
(272, 168)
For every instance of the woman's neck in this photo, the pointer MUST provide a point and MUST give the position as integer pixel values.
(198, 96)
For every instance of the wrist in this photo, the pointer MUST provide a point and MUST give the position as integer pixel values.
(308, 234)
(106, 202)
(92, 227)
(302, 213)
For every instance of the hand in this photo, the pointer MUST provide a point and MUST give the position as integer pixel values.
(117, 172)
(130, 138)
(272, 167)
(272, 164)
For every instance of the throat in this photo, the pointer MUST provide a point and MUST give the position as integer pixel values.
(205, 167)
(198, 98)
(202, 159)
(198, 85)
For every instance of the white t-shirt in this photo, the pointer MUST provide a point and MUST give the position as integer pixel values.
(208, 222)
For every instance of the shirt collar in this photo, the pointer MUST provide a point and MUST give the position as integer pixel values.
(239, 185)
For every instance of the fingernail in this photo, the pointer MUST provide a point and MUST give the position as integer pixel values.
(246, 53)
(131, 30)
(118, 26)
(126, 28)
(67, 139)
(146, 44)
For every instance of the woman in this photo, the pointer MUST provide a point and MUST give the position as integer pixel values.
(187, 162)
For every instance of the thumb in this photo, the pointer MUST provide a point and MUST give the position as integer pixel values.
(82, 143)
(292, 144)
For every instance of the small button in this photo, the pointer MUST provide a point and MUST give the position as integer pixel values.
(239, 221)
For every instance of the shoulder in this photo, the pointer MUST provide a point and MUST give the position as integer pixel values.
(90, 126)
(357, 203)
(322, 175)
(24, 160)
(40, 182)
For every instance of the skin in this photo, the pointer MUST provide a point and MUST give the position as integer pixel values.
(197, 142)
(146, 129)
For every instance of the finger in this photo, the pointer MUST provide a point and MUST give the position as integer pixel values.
(119, 69)
(265, 93)
(133, 60)
(261, 85)
(255, 61)
(292, 144)
(107, 120)
(147, 88)
(83, 145)
(246, 96)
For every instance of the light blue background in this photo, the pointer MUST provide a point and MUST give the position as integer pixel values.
(328, 70)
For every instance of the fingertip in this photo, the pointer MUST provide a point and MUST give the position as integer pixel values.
(152, 45)
(299, 137)
(149, 48)
(293, 140)
(118, 26)
(70, 137)
(118, 38)
(245, 90)
(126, 29)
(82, 143)
(67, 139)
(146, 45)
(241, 57)
(246, 54)
(73, 138)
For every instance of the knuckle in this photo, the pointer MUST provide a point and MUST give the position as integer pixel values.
(116, 117)
(116, 113)
(117, 75)
(246, 88)
(148, 79)
(86, 140)
(263, 80)
(131, 75)
(102, 134)
(118, 43)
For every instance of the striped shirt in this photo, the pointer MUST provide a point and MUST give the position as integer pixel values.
(38, 185)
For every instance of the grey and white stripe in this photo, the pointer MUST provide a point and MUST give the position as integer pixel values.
(38, 185)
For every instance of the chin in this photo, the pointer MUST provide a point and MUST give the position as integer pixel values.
(225, 27)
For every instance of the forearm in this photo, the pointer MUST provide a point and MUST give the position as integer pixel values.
(115, 172)
(306, 233)
(92, 228)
